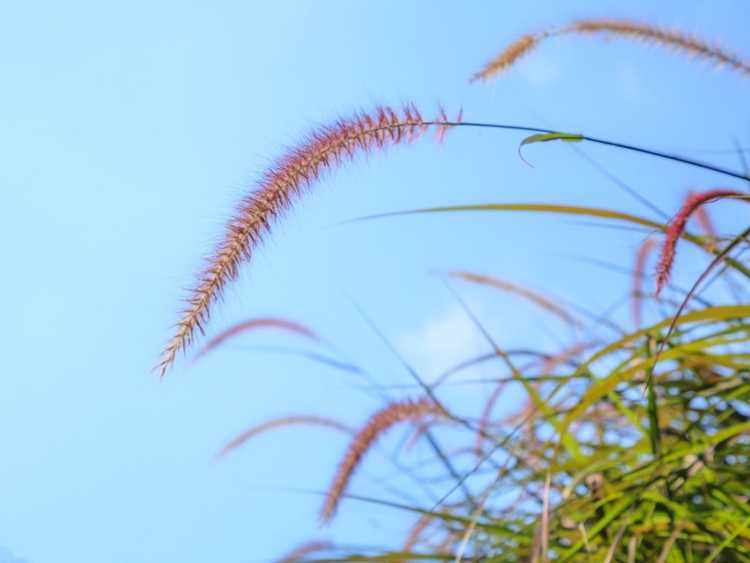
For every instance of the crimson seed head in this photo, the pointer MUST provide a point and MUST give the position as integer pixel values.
(378, 423)
(677, 226)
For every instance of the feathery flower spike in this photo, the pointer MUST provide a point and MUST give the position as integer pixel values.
(680, 41)
(325, 149)
(677, 226)
(380, 422)
(252, 324)
(677, 40)
(277, 423)
(508, 56)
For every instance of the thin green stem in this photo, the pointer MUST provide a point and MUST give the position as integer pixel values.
(606, 142)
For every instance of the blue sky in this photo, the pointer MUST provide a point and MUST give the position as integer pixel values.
(128, 132)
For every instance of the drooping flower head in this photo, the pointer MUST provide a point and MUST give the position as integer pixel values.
(325, 149)
(378, 423)
(306, 420)
(677, 226)
(285, 325)
(627, 29)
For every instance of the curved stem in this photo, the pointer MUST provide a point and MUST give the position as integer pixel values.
(642, 150)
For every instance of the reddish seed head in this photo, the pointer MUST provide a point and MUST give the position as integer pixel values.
(508, 56)
(681, 42)
(677, 226)
(278, 423)
(378, 423)
(253, 324)
(300, 168)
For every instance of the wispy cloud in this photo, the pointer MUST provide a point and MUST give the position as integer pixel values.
(448, 338)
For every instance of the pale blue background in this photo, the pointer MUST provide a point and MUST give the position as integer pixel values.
(128, 131)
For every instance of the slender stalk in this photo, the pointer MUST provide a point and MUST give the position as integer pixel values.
(606, 142)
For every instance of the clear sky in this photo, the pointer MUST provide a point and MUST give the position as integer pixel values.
(127, 133)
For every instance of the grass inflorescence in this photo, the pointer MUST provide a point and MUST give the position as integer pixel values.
(677, 226)
(678, 41)
(284, 325)
(378, 423)
(293, 420)
(299, 169)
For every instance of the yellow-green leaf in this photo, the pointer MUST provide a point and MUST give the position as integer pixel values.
(544, 137)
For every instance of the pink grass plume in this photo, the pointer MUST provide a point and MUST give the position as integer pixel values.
(284, 325)
(676, 228)
(296, 172)
(305, 420)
